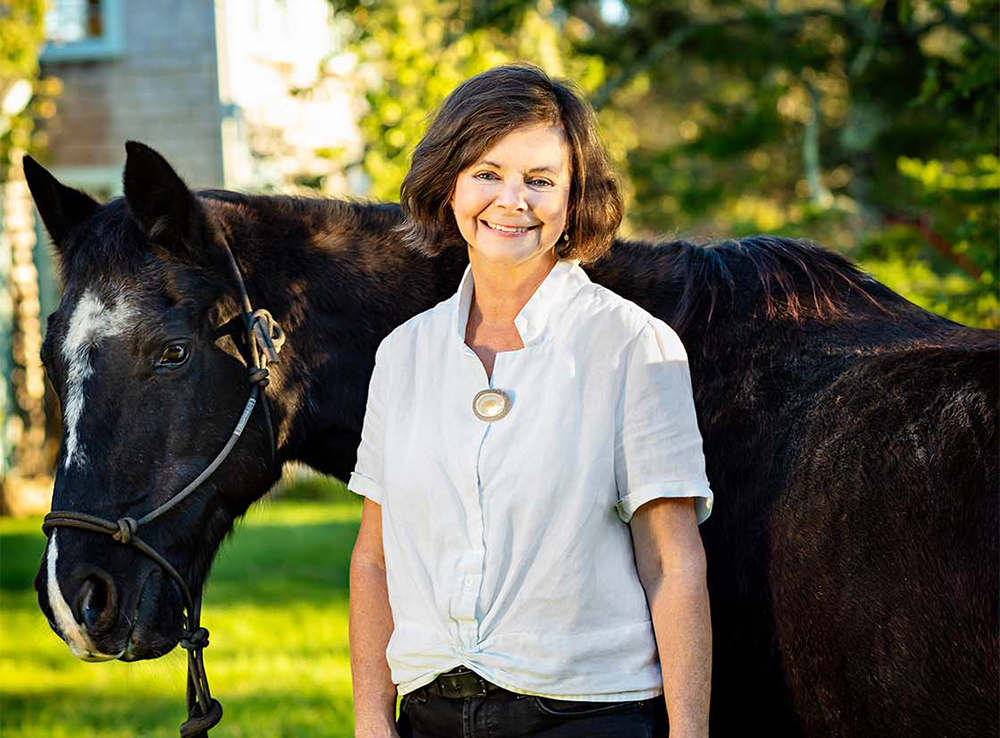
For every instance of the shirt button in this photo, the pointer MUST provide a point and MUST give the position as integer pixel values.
(708, 504)
(468, 581)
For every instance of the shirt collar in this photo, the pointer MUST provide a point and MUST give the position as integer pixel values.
(560, 284)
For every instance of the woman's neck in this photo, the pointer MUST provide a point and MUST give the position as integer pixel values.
(500, 291)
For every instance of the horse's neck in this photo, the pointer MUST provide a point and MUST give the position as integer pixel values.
(337, 280)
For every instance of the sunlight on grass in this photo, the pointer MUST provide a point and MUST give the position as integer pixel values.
(276, 605)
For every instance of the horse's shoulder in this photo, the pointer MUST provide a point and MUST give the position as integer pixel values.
(433, 322)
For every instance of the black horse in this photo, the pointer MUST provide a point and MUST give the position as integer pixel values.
(851, 437)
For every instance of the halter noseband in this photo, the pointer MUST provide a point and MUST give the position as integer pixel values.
(263, 339)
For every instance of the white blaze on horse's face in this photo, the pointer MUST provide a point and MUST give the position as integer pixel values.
(92, 320)
(76, 637)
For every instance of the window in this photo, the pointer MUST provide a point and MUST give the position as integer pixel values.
(83, 29)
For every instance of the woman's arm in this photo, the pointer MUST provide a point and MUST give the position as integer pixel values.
(370, 629)
(671, 564)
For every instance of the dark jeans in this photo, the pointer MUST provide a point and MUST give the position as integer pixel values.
(503, 714)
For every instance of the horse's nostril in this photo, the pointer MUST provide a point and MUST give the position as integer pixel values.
(95, 602)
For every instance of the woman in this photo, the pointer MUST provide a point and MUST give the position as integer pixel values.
(528, 562)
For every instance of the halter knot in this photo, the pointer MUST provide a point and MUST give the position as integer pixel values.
(267, 333)
(258, 376)
(126, 529)
(198, 725)
(198, 638)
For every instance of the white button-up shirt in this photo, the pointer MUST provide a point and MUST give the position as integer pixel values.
(506, 544)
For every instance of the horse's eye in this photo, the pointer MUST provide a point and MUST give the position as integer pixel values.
(173, 355)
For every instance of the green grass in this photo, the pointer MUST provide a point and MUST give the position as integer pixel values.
(276, 605)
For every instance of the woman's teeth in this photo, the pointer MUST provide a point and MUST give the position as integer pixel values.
(507, 229)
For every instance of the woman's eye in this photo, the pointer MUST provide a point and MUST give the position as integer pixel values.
(540, 183)
(486, 176)
(173, 354)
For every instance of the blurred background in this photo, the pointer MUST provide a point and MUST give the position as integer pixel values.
(869, 127)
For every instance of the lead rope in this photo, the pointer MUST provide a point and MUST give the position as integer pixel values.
(264, 339)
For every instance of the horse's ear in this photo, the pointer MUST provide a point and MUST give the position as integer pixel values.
(162, 205)
(62, 208)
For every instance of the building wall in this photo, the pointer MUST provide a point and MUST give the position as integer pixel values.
(246, 94)
(160, 87)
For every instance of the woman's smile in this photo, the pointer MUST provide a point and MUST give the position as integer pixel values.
(507, 230)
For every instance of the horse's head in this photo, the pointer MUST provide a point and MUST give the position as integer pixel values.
(150, 393)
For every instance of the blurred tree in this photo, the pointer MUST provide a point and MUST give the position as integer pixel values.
(869, 126)
(23, 95)
(412, 53)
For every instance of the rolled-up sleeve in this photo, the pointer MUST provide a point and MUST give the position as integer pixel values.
(658, 447)
(367, 477)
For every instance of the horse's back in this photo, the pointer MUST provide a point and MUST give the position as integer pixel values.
(884, 546)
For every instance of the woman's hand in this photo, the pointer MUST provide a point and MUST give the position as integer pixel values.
(373, 731)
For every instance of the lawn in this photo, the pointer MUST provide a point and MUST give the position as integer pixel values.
(276, 605)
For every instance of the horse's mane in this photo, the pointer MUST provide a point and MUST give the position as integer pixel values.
(118, 245)
(798, 280)
(348, 214)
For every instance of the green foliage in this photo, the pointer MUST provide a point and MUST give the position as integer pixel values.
(809, 119)
(414, 52)
(276, 605)
(821, 121)
(21, 37)
(960, 277)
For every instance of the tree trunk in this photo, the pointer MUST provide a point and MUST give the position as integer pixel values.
(24, 474)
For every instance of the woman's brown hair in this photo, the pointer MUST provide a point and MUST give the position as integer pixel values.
(476, 115)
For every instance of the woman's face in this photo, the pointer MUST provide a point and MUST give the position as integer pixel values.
(511, 205)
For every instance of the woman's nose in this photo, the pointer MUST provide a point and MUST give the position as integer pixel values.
(511, 196)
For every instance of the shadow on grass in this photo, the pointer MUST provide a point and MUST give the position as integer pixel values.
(284, 564)
(267, 565)
(20, 557)
(76, 712)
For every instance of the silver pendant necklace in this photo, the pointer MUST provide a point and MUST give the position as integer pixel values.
(489, 405)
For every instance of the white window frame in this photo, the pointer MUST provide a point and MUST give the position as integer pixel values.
(109, 45)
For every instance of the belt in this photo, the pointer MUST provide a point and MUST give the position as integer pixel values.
(458, 684)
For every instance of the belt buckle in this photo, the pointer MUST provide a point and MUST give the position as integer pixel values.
(481, 690)
(466, 683)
